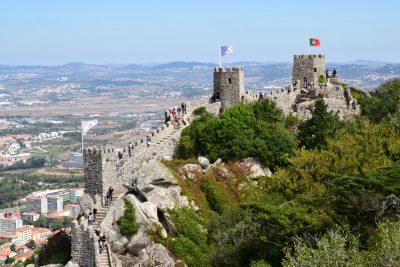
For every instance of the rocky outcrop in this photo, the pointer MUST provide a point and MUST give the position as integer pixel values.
(257, 169)
(157, 256)
(159, 186)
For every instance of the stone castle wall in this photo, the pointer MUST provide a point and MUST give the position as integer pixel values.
(84, 245)
(308, 68)
(229, 85)
(103, 168)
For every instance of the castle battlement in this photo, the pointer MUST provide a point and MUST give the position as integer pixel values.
(309, 56)
(237, 69)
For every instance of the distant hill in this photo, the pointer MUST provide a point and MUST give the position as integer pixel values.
(184, 65)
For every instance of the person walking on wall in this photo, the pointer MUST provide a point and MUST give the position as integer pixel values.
(148, 140)
(90, 218)
(94, 214)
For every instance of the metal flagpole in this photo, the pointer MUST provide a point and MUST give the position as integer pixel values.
(220, 57)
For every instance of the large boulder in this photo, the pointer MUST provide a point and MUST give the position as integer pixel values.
(159, 186)
(139, 241)
(204, 162)
(149, 209)
(257, 169)
(86, 204)
(155, 255)
(155, 173)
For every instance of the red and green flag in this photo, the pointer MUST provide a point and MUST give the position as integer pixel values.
(315, 42)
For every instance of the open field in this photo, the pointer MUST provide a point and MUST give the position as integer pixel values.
(92, 105)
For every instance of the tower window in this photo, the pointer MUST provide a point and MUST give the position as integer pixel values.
(315, 69)
(230, 80)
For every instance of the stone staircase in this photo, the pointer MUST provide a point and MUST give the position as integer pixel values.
(101, 214)
(165, 138)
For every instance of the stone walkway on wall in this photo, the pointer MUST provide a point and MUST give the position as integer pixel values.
(105, 260)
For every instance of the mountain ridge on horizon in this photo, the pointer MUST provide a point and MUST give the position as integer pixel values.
(182, 64)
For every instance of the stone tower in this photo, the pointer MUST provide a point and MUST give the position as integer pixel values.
(100, 171)
(308, 68)
(229, 86)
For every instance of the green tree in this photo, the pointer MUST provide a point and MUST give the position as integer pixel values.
(314, 132)
(31, 244)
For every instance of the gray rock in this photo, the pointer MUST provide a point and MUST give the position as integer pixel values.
(139, 241)
(153, 224)
(149, 209)
(191, 168)
(86, 204)
(155, 173)
(215, 164)
(155, 255)
(204, 162)
(257, 168)
(71, 264)
(168, 158)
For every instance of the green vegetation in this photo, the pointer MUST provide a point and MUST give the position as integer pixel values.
(323, 124)
(127, 223)
(383, 104)
(337, 248)
(57, 250)
(241, 131)
(15, 186)
(51, 224)
(333, 182)
(322, 79)
(34, 162)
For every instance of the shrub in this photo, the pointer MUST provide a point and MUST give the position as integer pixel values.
(127, 223)
(216, 196)
(322, 79)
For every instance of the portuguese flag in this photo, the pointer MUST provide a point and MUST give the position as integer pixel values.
(314, 42)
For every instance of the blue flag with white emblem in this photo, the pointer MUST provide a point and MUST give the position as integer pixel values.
(226, 50)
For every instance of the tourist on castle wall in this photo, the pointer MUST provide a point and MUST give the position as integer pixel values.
(94, 214)
(148, 140)
(90, 218)
(130, 148)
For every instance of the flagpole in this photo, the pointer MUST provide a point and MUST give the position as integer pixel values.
(220, 57)
(82, 135)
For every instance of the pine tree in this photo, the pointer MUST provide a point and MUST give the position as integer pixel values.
(323, 124)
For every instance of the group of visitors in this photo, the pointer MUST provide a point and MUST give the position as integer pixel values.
(176, 115)
(92, 216)
(102, 239)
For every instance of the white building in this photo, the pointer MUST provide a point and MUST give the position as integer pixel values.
(30, 216)
(75, 195)
(37, 204)
(54, 203)
(10, 225)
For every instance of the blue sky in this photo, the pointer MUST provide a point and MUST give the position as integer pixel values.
(53, 32)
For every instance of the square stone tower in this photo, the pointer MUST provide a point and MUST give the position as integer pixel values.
(229, 86)
(308, 68)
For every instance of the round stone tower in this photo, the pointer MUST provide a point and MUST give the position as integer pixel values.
(229, 86)
(308, 68)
